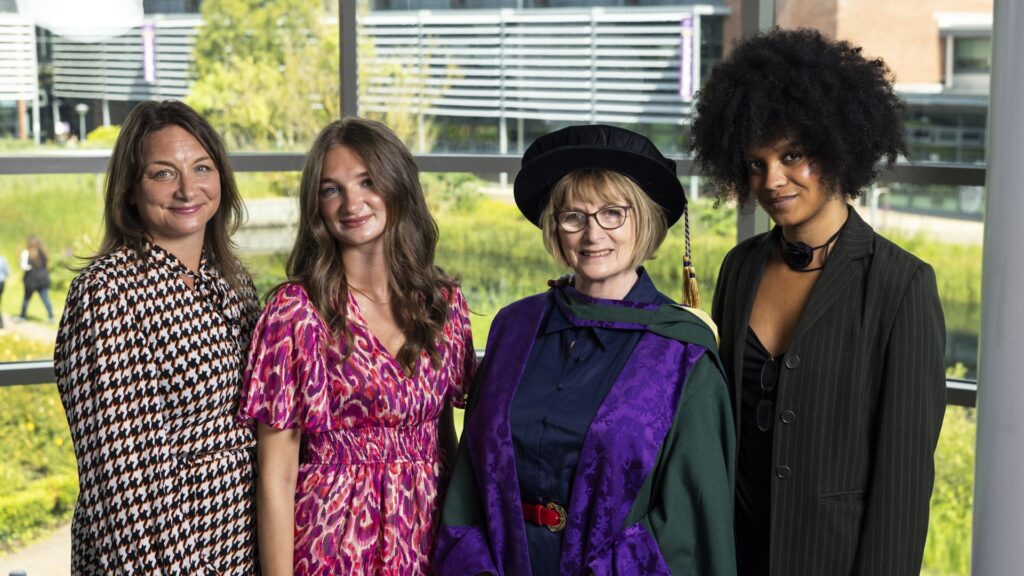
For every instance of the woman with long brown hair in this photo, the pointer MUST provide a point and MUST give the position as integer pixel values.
(149, 359)
(354, 365)
(36, 265)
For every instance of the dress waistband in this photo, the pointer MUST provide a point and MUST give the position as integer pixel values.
(368, 445)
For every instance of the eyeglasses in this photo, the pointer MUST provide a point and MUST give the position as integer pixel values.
(609, 218)
(766, 408)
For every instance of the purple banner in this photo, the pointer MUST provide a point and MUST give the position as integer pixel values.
(149, 53)
(686, 58)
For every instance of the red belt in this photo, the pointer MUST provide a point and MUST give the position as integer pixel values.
(550, 515)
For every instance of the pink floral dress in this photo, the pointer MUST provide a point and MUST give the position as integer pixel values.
(370, 477)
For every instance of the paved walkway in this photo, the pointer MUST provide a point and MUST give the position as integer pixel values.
(946, 230)
(33, 330)
(49, 556)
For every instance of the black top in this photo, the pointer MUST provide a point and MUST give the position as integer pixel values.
(753, 477)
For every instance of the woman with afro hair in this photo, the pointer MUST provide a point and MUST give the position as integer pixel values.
(832, 336)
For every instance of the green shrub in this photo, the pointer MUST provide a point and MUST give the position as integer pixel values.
(40, 506)
(38, 481)
(102, 137)
(948, 549)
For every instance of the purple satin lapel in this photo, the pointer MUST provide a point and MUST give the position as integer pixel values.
(622, 446)
(490, 438)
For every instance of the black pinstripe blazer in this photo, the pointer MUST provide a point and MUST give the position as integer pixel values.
(860, 403)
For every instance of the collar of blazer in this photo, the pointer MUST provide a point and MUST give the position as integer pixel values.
(856, 242)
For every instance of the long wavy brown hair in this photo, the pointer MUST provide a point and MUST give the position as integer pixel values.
(37, 256)
(122, 225)
(410, 235)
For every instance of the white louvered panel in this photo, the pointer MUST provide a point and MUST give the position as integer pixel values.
(113, 68)
(18, 71)
(604, 65)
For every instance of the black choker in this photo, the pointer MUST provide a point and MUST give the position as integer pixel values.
(798, 255)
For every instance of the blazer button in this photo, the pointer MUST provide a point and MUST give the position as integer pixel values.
(792, 362)
(787, 416)
(783, 471)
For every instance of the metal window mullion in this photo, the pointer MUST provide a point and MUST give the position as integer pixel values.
(348, 43)
(755, 16)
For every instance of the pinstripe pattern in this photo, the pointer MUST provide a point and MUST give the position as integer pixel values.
(149, 372)
(868, 395)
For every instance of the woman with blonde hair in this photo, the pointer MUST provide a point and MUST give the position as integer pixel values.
(355, 364)
(599, 438)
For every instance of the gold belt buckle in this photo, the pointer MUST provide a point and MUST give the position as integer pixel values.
(561, 516)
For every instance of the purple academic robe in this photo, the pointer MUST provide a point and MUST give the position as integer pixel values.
(620, 450)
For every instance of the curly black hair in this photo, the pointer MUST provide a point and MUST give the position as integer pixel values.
(797, 84)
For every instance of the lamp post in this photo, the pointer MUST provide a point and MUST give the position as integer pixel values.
(81, 108)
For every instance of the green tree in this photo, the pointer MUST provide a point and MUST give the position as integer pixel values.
(266, 71)
(266, 75)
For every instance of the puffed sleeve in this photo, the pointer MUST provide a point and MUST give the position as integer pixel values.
(286, 364)
(912, 404)
(126, 520)
(682, 522)
(459, 335)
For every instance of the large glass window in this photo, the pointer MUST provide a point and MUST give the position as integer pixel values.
(469, 77)
(972, 55)
(942, 224)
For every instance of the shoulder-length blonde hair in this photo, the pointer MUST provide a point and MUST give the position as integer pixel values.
(410, 237)
(605, 187)
(122, 225)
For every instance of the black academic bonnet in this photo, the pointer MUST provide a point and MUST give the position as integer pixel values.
(596, 147)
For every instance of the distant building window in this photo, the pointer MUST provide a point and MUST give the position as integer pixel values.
(170, 6)
(972, 55)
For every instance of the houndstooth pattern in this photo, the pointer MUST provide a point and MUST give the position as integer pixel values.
(149, 372)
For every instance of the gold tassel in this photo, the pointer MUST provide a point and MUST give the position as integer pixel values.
(691, 290)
